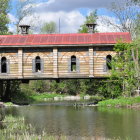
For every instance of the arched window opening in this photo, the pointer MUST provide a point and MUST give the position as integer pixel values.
(3, 65)
(37, 64)
(73, 63)
(108, 62)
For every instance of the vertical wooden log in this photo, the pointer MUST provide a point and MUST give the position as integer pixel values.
(33, 65)
(1, 88)
(91, 62)
(20, 63)
(78, 65)
(69, 64)
(42, 65)
(8, 66)
(55, 63)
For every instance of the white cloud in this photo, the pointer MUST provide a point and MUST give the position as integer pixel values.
(68, 13)
(12, 18)
(69, 21)
(70, 5)
(12, 28)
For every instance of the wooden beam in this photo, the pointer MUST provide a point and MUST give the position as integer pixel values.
(91, 62)
(55, 63)
(20, 63)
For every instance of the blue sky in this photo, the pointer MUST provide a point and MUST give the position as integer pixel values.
(71, 12)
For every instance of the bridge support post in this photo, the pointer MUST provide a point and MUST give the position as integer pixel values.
(91, 62)
(20, 63)
(55, 63)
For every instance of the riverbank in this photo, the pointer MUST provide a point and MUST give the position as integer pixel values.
(129, 102)
(52, 97)
(62, 97)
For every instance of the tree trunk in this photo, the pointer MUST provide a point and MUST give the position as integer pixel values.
(6, 95)
(1, 88)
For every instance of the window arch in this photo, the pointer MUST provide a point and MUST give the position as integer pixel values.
(37, 64)
(73, 63)
(108, 62)
(3, 65)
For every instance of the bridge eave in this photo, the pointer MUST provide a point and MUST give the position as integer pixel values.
(55, 45)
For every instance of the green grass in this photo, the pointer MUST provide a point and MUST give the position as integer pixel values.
(8, 104)
(13, 128)
(120, 102)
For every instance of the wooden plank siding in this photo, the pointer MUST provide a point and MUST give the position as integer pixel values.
(63, 62)
(90, 62)
(12, 59)
(99, 62)
(46, 56)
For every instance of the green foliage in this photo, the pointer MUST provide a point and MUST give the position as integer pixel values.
(39, 86)
(121, 102)
(73, 87)
(43, 96)
(125, 73)
(8, 104)
(126, 66)
(136, 1)
(49, 27)
(89, 19)
(13, 128)
(109, 88)
(20, 93)
(4, 8)
(137, 26)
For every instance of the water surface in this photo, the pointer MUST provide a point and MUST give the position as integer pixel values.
(62, 118)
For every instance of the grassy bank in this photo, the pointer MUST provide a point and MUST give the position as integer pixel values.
(15, 129)
(25, 99)
(44, 96)
(121, 102)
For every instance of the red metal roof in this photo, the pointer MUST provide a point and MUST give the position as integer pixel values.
(64, 39)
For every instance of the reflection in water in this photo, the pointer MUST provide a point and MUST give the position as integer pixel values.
(81, 122)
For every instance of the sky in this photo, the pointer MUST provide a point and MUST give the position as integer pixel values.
(70, 14)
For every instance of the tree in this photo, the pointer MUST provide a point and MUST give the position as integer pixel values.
(137, 1)
(127, 16)
(49, 27)
(137, 27)
(126, 66)
(24, 8)
(4, 8)
(89, 19)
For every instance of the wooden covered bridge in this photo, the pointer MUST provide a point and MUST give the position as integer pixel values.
(57, 56)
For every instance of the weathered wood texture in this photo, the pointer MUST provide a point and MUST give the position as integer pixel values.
(99, 59)
(56, 63)
(64, 59)
(20, 63)
(12, 61)
(46, 56)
